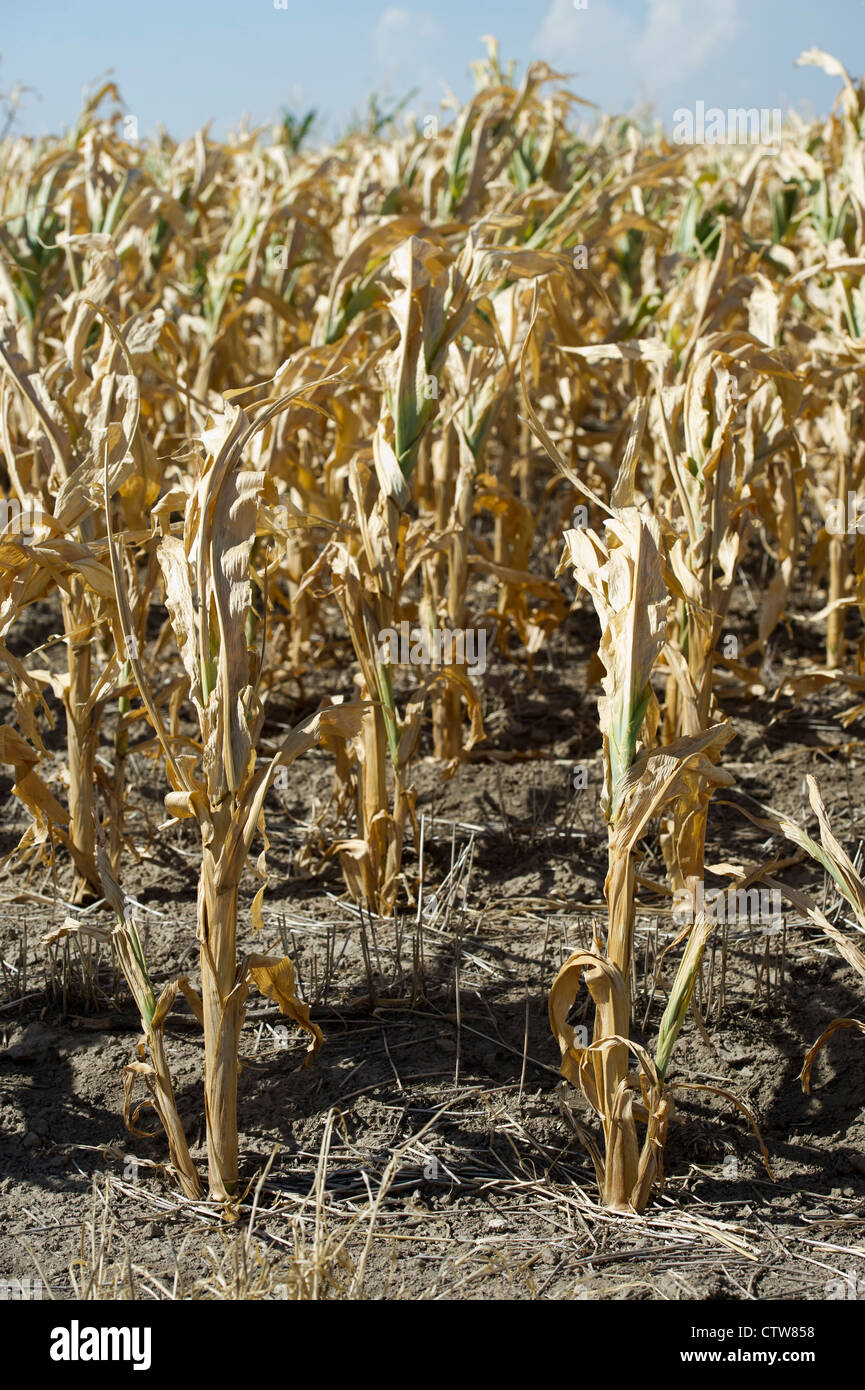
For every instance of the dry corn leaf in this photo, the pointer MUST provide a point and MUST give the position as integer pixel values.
(275, 980)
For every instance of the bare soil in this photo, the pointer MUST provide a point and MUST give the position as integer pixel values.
(439, 1071)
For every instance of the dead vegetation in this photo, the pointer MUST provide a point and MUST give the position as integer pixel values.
(262, 412)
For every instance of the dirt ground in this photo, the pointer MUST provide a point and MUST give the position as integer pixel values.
(427, 1152)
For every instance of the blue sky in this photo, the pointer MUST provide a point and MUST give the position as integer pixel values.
(180, 63)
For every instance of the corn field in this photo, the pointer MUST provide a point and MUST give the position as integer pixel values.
(317, 464)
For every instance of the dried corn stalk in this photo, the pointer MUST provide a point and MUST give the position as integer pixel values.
(206, 574)
(831, 854)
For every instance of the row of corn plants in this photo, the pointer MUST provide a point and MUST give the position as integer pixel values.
(262, 405)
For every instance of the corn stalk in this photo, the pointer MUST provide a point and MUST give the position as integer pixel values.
(206, 577)
(624, 574)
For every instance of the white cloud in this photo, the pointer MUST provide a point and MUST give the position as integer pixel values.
(621, 59)
(682, 36)
(401, 36)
